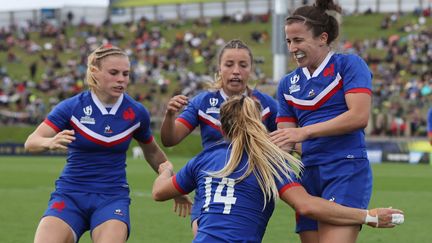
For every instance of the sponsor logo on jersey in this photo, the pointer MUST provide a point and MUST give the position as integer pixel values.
(332, 199)
(88, 110)
(108, 129)
(311, 93)
(118, 212)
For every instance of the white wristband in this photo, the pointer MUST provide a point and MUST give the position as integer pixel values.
(398, 218)
(370, 219)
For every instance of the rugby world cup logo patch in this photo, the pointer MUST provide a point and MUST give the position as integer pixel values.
(294, 79)
(294, 86)
(88, 110)
(213, 109)
(213, 101)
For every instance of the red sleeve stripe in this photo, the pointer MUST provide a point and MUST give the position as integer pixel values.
(288, 186)
(286, 119)
(49, 123)
(177, 186)
(149, 140)
(186, 123)
(360, 90)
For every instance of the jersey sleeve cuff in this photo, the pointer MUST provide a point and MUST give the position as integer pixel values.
(186, 123)
(177, 186)
(288, 186)
(286, 119)
(52, 125)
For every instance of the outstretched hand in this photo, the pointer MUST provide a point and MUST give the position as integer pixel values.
(384, 217)
(182, 205)
(61, 140)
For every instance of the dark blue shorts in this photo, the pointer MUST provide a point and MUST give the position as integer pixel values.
(84, 211)
(346, 182)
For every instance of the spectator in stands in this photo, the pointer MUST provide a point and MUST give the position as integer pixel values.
(250, 173)
(96, 128)
(324, 106)
(235, 63)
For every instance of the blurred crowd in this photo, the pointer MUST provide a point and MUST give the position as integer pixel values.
(401, 85)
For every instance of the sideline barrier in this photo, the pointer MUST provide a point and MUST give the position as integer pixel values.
(12, 149)
(413, 152)
(379, 151)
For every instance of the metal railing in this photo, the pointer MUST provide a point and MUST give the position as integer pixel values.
(97, 15)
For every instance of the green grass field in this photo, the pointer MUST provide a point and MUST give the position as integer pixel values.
(26, 182)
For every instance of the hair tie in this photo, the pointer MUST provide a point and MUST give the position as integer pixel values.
(335, 14)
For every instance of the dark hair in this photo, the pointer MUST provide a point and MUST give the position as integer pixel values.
(321, 17)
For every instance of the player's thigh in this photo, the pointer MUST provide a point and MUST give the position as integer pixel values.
(111, 231)
(337, 234)
(53, 230)
(195, 227)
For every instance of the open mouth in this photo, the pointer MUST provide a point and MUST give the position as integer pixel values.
(235, 80)
(299, 55)
(118, 89)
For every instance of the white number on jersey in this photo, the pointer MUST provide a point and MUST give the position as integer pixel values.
(228, 199)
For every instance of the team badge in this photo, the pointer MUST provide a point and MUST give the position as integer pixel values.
(59, 205)
(329, 71)
(129, 114)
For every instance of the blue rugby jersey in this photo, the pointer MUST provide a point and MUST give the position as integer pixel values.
(203, 111)
(96, 160)
(308, 99)
(230, 211)
(429, 122)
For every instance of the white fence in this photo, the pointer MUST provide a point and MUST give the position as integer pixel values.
(96, 15)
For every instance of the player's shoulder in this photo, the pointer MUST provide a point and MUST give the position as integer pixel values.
(291, 75)
(75, 100)
(214, 149)
(347, 58)
(206, 94)
(263, 97)
(129, 101)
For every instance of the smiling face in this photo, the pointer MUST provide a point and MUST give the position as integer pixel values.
(307, 50)
(112, 78)
(235, 68)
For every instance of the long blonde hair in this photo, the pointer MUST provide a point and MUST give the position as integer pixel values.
(95, 58)
(241, 123)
